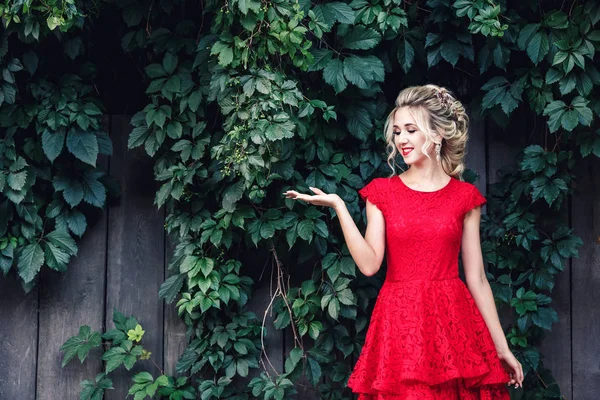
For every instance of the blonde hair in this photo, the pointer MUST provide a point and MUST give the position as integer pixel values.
(435, 110)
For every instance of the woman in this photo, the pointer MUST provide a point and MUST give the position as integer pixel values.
(430, 335)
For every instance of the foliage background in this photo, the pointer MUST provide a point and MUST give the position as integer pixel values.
(239, 101)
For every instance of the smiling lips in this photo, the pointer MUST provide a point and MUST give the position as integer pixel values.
(406, 150)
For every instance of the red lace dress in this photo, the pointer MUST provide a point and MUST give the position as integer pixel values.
(427, 338)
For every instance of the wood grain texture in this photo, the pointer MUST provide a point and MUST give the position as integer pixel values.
(175, 341)
(586, 283)
(500, 154)
(18, 340)
(68, 301)
(475, 160)
(556, 344)
(135, 251)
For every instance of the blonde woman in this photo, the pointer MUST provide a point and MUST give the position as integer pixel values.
(430, 335)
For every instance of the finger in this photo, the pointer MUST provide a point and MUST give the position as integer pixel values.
(522, 375)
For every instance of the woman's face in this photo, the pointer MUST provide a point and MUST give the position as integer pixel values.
(409, 139)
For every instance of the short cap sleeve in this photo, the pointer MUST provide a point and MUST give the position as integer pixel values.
(474, 199)
(372, 193)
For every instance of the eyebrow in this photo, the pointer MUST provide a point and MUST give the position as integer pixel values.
(396, 126)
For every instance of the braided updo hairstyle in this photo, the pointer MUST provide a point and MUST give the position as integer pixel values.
(435, 110)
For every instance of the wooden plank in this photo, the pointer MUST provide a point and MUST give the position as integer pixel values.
(586, 282)
(556, 344)
(499, 154)
(68, 301)
(475, 160)
(19, 340)
(174, 328)
(503, 146)
(135, 251)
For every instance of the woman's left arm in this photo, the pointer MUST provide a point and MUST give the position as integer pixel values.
(482, 293)
(477, 281)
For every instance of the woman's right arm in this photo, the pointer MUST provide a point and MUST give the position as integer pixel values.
(366, 251)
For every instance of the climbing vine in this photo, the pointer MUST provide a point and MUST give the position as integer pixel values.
(246, 99)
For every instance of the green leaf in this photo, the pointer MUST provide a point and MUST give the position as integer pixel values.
(52, 144)
(361, 38)
(341, 12)
(83, 145)
(169, 62)
(333, 74)
(31, 258)
(232, 195)
(114, 357)
(74, 47)
(155, 71)
(503, 93)
(224, 51)
(56, 258)
(81, 344)
(94, 192)
(538, 47)
(17, 180)
(450, 51)
(292, 361)
(363, 71)
(170, 288)
(95, 390)
(62, 240)
(406, 55)
(544, 318)
(320, 59)
(305, 229)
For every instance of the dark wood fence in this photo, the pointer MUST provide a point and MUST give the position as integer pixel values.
(122, 261)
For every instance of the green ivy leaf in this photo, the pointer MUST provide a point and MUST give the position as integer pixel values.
(589, 143)
(406, 55)
(501, 92)
(31, 258)
(52, 143)
(538, 47)
(95, 390)
(80, 344)
(361, 38)
(170, 288)
(333, 74)
(83, 145)
(63, 241)
(363, 71)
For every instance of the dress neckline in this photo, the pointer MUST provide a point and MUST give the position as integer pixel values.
(421, 191)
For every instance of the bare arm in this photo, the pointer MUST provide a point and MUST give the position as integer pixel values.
(480, 289)
(366, 251)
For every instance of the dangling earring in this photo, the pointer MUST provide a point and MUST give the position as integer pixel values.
(438, 151)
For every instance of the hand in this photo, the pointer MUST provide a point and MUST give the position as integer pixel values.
(320, 199)
(513, 367)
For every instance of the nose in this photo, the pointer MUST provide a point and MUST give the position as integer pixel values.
(403, 137)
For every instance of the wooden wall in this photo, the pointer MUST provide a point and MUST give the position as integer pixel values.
(123, 257)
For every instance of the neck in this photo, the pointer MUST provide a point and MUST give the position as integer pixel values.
(432, 173)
